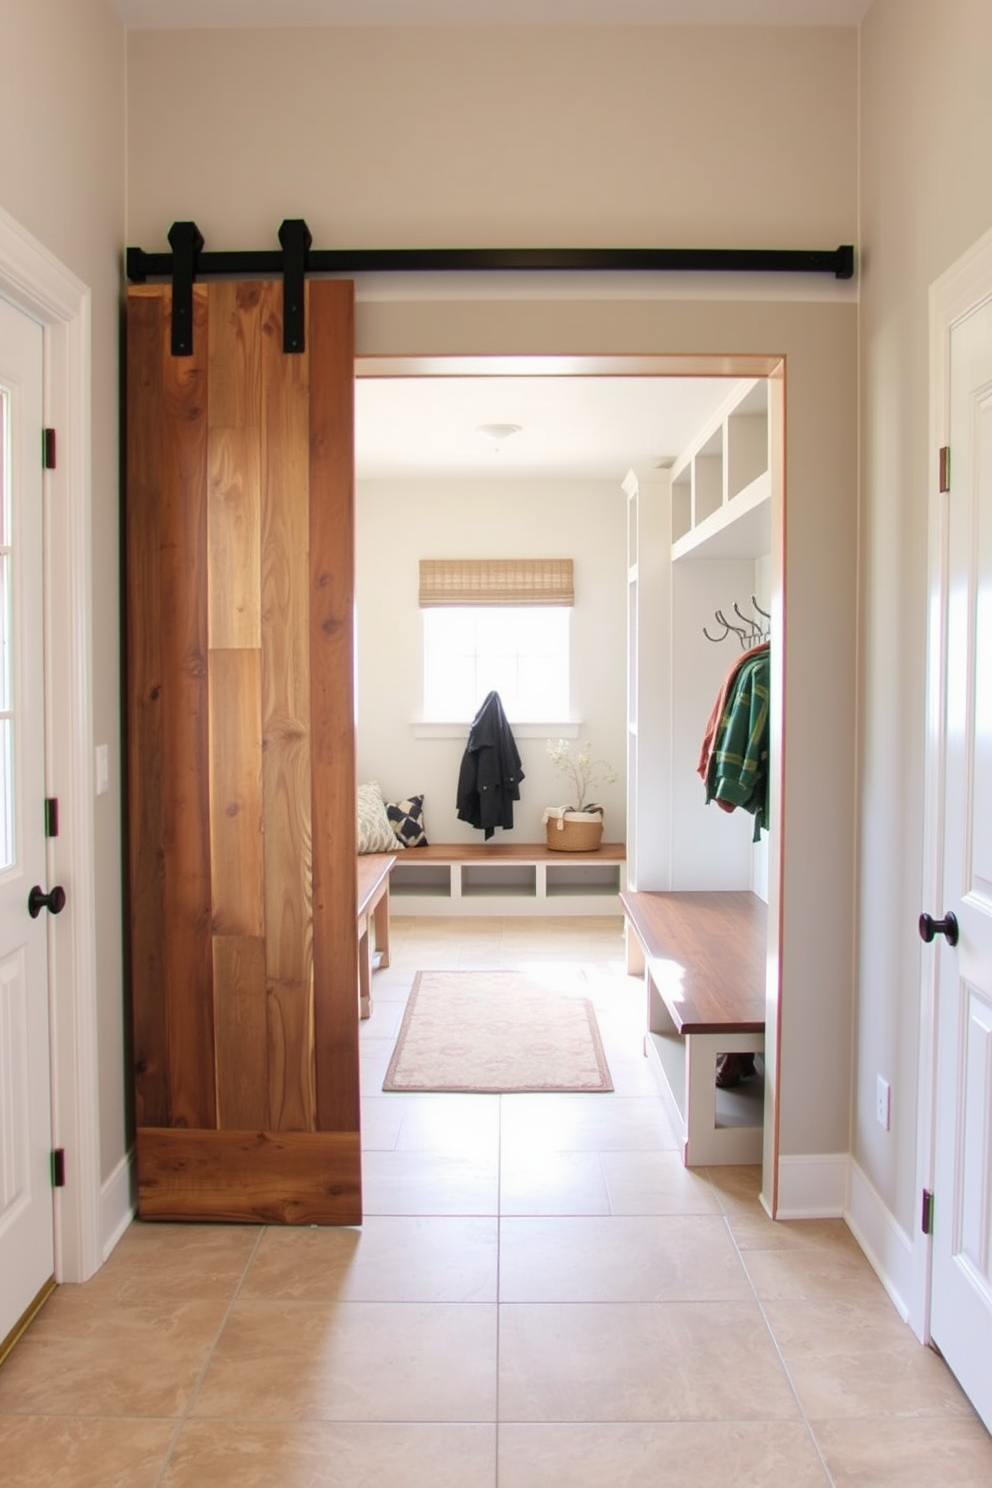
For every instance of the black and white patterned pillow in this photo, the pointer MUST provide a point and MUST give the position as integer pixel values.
(407, 821)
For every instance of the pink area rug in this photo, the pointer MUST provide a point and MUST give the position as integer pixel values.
(496, 1032)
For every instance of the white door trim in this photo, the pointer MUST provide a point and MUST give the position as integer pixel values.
(959, 291)
(31, 278)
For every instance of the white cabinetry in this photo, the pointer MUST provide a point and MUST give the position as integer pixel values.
(648, 604)
(721, 485)
(507, 879)
(699, 541)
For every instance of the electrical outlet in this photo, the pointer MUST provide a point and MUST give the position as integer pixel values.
(883, 1102)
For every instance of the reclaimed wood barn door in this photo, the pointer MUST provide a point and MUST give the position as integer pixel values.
(241, 763)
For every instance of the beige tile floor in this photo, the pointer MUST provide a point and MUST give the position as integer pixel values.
(541, 1296)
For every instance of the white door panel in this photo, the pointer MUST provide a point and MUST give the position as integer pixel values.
(961, 1282)
(26, 1216)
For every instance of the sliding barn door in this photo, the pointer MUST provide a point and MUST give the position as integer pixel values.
(241, 775)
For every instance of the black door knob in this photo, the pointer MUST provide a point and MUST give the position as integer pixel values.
(54, 901)
(929, 927)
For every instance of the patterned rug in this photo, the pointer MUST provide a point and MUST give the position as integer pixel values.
(496, 1032)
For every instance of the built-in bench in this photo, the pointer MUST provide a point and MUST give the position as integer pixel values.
(703, 956)
(373, 921)
(502, 877)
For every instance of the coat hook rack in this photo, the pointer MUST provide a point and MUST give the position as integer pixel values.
(756, 626)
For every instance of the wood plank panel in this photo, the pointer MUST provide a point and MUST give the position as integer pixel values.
(186, 814)
(234, 450)
(291, 1090)
(224, 453)
(236, 843)
(146, 330)
(296, 1178)
(286, 721)
(331, 338)
(241, 1032)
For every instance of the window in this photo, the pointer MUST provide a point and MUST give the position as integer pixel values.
(498, 625)
(521, 653)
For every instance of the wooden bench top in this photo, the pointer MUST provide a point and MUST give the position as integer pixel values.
(373, 870)
(508, 852)
(707, 951)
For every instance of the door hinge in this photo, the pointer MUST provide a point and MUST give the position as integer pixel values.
(51, 816)
(926, 1218)
(48, 449)
(58, 1168)
(945, 467)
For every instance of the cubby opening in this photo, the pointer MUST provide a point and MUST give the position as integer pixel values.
(682, 503)
(517, 879)
(430, 879)
(747, 441)
(581, 878)
(708, 479)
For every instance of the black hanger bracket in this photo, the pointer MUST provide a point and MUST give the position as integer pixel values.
(186, 241)
(294, 235)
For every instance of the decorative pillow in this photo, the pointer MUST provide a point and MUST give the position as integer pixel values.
(375, 834)
(407, 820)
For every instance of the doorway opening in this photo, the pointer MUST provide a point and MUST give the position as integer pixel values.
(414, 390)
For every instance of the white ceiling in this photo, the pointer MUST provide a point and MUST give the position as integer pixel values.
(575, 427)
(210, 14)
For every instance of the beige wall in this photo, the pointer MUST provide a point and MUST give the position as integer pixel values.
(62, 80)
(927, 196)
(495, 136)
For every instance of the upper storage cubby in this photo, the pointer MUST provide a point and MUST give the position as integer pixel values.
(721, 487)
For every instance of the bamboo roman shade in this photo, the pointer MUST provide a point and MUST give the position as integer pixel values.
(496, 581)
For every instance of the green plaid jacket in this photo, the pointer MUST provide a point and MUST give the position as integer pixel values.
(738, 770)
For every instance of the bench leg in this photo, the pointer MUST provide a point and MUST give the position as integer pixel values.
(364, 968)
(635, 950)
(380, 925)
(708, 1144)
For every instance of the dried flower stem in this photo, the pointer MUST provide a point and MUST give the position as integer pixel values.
(582, 772)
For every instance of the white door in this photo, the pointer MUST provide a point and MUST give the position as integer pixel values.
(26, 1214)
(961, 1281)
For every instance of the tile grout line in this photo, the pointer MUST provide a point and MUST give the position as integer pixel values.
(828, 1475)
(499, 1283)
(197, 1384)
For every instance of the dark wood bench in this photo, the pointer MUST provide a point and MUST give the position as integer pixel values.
(373, 921)
(703, 958)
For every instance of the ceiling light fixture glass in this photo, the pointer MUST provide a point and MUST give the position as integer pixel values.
(499, 433)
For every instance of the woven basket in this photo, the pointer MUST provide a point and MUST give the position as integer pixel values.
(575, 831)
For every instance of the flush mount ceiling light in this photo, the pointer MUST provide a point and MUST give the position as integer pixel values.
(498, 433)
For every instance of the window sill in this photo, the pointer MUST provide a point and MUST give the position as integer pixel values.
(519, 730)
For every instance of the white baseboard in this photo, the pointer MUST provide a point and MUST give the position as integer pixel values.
(813, 1187)
(118, 1203)
(883, 1240)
